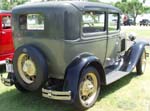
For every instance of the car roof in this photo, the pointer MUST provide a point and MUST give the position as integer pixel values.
(81, 5)
(5, 11)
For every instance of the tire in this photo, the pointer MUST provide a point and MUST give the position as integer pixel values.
(30, 68)
(89, 76)
(141, 65)
(17, 85)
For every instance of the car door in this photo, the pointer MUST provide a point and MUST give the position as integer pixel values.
(113, 42)
(6, 42)
(94, 34)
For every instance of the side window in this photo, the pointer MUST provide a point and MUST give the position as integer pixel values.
(93, 22)
(6, 22)
(113, 22)
(31, 22)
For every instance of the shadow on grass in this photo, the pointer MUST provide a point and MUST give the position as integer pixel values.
(106, 90)
(13, 100)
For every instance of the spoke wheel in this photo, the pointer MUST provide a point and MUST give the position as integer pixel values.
(141, 65)
(143, 62)
(26, 68)
(30, 68)
(88, 88)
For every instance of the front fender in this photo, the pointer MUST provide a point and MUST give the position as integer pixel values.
(133, 55)
(73, 72)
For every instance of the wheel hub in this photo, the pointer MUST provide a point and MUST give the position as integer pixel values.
(29, 68)
(26, 68)
(87, 88)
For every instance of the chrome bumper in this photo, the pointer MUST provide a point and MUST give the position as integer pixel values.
(8, 64)
(7, 81)
(3, 62)
(57, 95)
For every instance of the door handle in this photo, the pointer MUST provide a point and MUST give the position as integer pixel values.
(3, 32)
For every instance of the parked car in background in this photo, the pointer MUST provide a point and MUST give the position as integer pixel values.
(145, 22)
(129, 22)
(70, 49)
(6, 41)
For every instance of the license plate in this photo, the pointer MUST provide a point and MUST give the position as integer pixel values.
(9, 68)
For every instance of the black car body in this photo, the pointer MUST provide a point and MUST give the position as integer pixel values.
(145, 22)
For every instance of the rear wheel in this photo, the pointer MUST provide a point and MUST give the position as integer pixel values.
(12, 77)
(30, 68)
(19, 87)
(141, 65)
(88, 88)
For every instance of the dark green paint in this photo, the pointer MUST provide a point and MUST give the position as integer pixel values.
(62, 40)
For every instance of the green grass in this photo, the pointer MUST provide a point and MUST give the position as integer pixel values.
(141, 31)
(131, 93)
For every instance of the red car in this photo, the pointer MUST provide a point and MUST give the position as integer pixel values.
(6, 40)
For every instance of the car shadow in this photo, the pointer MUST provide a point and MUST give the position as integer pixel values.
(16, 101)
(106, 90)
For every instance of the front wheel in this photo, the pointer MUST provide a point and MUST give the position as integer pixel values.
(88, 88)
(141, 65)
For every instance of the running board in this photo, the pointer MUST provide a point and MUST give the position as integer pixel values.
(114, 75)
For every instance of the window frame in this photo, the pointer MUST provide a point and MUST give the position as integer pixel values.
(26, 29)
(94, 35)
(118, 22)
(8, 27)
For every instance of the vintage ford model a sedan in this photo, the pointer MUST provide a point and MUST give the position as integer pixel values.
(70, 49)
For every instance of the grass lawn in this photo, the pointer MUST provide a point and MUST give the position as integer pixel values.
(131, 93)
(141, 31)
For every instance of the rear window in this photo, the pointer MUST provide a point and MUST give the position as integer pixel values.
(31, 22)
(6, 22)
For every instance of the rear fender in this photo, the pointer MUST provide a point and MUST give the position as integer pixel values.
(74, 70)
(133, 55)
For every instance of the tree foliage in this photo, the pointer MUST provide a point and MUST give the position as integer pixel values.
(93, 0)
(5, 5)
(132, 8)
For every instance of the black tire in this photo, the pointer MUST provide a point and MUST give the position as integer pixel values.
(79, 102)
(17, 85)
(141, 65)
(39, 68)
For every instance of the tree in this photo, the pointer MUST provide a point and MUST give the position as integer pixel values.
(123, 6)
(124, 0)
(93, 0)
(5, 5)
(132, 8)
(144, 1)
(137, 9)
